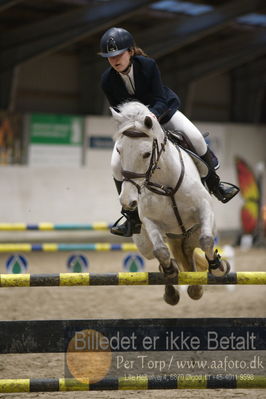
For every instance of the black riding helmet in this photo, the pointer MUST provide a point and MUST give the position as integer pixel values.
(115, 41)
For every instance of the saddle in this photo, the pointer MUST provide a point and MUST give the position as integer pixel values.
(181, 140)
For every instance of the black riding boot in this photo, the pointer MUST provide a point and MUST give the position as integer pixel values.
(132, 225)
(224, 192)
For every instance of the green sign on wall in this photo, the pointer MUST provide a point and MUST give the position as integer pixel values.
(56, 129)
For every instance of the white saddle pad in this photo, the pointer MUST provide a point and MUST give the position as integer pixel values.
(200, 164)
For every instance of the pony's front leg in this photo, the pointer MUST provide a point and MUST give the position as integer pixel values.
(166, 265)
(146, 248)
(217, 265)
(144, 243)
(160, 249)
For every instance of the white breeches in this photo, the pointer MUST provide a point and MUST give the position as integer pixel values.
(178, 122)
(181, 123)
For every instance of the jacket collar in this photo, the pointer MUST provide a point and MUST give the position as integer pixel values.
(120, 85)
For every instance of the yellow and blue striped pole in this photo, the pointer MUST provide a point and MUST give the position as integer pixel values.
(53, 247)
(52, 226)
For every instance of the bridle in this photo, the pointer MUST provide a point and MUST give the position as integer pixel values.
(154, 160)
(156, 188)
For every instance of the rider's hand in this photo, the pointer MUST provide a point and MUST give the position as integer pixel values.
(152, 115)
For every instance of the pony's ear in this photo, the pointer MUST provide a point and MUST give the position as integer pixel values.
(148, 122)
(116, 115)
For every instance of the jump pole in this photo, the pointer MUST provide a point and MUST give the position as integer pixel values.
(53, 247)
(123, 279)
(130, 383)
(45, 226)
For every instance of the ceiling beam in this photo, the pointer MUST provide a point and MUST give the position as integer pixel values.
(232, 53)
(169, 37)
(4, 4)
(74, 2)
(58, 32)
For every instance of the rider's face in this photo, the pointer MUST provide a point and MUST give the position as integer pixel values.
(120, 62)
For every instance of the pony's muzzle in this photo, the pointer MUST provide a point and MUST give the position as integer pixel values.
(131, 206)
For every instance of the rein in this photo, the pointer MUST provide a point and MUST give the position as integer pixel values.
(156, 188)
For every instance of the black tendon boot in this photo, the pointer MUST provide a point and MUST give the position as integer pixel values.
(223, 191)
(132, 225)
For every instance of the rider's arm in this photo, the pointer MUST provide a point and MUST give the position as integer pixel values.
(160, 105)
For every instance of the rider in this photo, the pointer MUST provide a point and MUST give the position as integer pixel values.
(134, 76)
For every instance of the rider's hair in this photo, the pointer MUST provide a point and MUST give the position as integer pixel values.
(138, 51)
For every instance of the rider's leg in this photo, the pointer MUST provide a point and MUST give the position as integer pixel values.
(180, 122)
(132, 225)
(223, 192)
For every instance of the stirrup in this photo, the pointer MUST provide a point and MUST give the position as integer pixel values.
(123, 230)
(226, 196)
(128, 228)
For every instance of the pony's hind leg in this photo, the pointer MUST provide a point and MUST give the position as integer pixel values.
(188, 245)
(171, 293)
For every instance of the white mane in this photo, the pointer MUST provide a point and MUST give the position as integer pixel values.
(131, 115)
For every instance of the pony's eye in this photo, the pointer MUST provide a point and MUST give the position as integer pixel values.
(117, 150)
(146, 155)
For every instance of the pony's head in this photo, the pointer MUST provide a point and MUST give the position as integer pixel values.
(139, 141)
(134, 115)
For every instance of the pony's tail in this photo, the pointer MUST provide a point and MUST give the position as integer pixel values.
(198, 256)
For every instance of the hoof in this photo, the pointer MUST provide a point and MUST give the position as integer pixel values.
(195, 291)
(171, 295)
(171, 271)
(222, 270)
